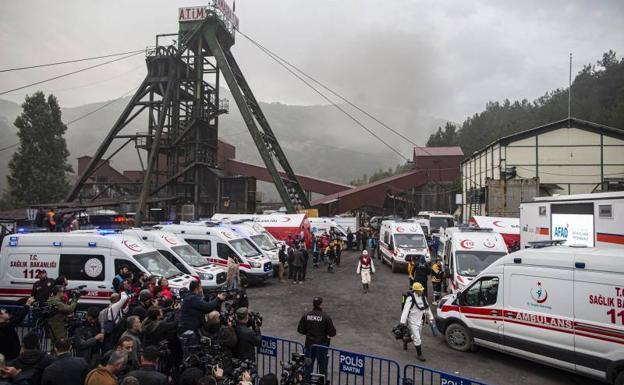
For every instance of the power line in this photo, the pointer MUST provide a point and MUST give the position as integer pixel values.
(269, 52)
(84, 115)
(69, 73)
(69, 61)
(334, 104)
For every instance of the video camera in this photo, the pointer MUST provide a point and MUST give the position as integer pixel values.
(77, 292)
(43, 309)
(255, 320)
(294, 372)
(202, 353)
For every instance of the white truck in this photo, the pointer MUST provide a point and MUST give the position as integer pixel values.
(584, 219)
(561, 306)
(437, 220)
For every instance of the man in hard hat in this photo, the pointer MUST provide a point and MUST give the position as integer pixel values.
(416, 306)
(365, 268)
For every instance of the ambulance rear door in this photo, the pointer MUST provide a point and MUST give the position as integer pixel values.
(87, 266)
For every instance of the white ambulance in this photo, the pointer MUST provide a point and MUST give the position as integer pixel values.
(183, 256)
(561, 306)
(466, 251)
(325, 225)
(437, 220)
(87, 259)
(254, 233)
(398, 240)
(583, 219)
(216, 242)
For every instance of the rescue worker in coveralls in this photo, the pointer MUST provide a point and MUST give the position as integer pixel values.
(437, 275)
(318, 328)
(416, 307)
(365, 268)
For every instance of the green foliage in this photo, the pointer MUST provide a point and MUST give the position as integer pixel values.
(446, 137)
(597, 96)
(37, 169)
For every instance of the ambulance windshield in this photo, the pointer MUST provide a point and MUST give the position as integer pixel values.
(190, 255)
(156, 264)
(244, 247)
(263, 241)
(471, 263)
(410, 241)
(440, 222)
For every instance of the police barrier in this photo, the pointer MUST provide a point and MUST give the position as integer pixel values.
(350, 368)
(419, 375)
(272, 352)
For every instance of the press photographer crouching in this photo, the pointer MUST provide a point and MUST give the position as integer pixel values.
(223, 339)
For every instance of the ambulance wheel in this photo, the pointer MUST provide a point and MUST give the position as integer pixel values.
(395, 268)
(458, 337)
(619, 380)
(244, 281)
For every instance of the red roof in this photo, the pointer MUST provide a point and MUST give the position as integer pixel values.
(438, 151)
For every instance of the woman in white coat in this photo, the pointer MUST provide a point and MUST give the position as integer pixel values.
(416, 306)
(365, 268)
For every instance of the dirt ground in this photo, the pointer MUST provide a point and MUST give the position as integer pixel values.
(364, 321)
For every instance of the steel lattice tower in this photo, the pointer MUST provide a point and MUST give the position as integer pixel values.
(181, 96)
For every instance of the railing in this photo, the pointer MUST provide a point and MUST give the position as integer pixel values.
(273, 352)
(420, 375)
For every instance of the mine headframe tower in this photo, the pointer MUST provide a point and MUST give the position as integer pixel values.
(181, 95)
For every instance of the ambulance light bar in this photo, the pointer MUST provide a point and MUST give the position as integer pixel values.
(546, 243)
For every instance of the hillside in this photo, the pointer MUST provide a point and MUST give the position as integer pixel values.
(318, 140)
(597, 96)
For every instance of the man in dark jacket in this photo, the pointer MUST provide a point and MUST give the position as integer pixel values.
(297, 264)
(32, 361)
(194, 307)
(247, 339)
(88, 338)
(225, 336)
(155, 329)
(9, 340)
(43, 287)
(145, 302)
(318, 327)
(147, 373)
(66, 370)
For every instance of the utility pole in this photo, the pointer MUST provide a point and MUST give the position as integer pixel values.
(569, 89)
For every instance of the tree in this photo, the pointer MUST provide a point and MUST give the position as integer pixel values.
(37, 169)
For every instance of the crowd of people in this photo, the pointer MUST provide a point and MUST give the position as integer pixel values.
(144, 336)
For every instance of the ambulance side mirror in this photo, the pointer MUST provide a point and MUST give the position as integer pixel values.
(460, 299)
(391, 247)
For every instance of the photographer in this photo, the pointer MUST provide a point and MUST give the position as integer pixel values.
(248, 336)
(89, 337)
(57, 320)
(10, 346)
(110, 318)
(147, 373)
(194, 307)
(222, 336)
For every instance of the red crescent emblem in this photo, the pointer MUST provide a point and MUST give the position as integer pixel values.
(287, 219)
(132, 246)
(400, 229)
(545, 297)
(496, 223)
(169, 240)
(226, 234)
(489, 244)
(466, 244)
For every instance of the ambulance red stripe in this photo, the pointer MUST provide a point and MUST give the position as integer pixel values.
(610, 238)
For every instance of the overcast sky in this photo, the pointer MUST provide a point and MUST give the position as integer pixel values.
(440, 58)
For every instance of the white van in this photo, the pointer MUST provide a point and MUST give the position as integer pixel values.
(398, 240)
(466, 251)
(325, 225)
(183, 256)
(254, 233)
(424, 225)
(90, 259)
(437, 220)
(216, 242)
(561, 306)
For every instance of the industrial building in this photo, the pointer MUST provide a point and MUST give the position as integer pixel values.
(570, 156)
